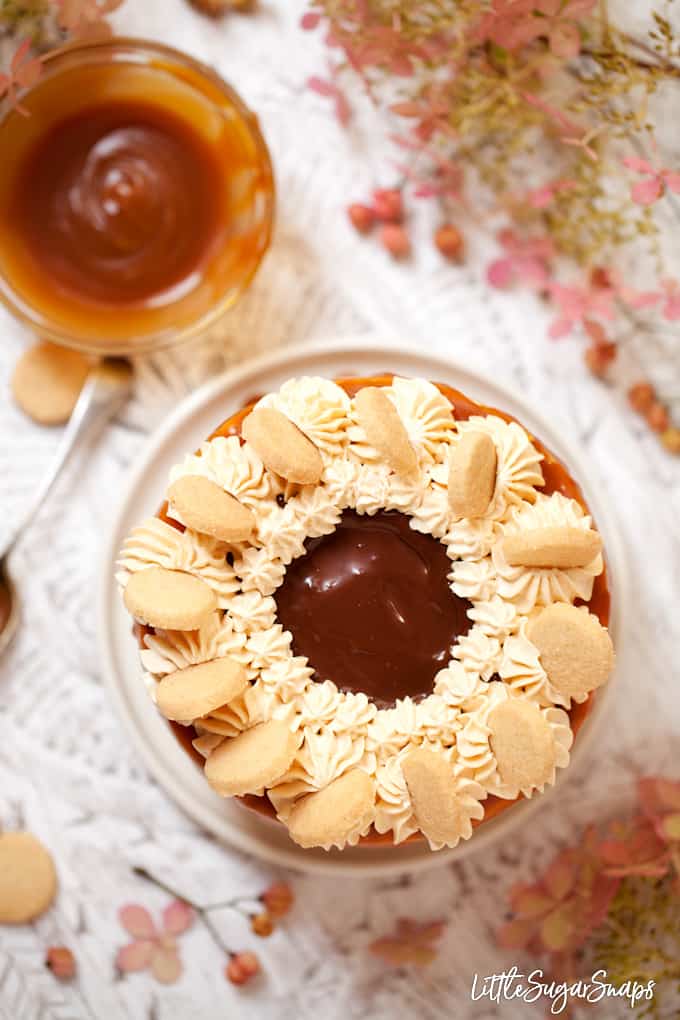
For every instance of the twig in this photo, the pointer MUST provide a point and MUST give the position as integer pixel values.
(225, 904)
(202, 912)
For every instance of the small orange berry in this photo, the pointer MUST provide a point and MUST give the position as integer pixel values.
(278, 899)
(361, 217)
(61, 962)
(216, 8)
(600, 278)
(449, 241)
(641, 396)
(657, 417)
(671, 439)
(595, 330)
(261, 924)
(599, 357)
(395, 240)
(242, 967)
(388, 205)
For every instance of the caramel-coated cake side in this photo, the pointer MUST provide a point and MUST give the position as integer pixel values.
(375, 606)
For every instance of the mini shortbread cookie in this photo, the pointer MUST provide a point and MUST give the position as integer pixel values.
(559, 547)
(253, 760)
(523, 744)
(205, 507)
(169, 599)
(574, 648)
(47, 381)
(472, 474)
(385, 430)
(282, 447)
(331, 817)
(195, 691)
(430, 783)
(28, 880)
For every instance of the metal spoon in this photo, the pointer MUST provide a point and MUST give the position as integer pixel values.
(105, 391)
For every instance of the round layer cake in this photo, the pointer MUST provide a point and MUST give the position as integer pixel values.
(374, 607)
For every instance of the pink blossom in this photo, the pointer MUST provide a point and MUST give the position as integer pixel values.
(541, 198)
(310, 20)
(634, 849)
(153, 948)
(508, 23)
(431, 114)
(564, 37)
(410, 943)
(78, 16)
(671, 299)
(637, 299)
(576, 304)
(330, 90)
(24, 71)
(513, 24)
(647, 192)
(525, 260)
(384, 47)
(558, 913)
(443, 181)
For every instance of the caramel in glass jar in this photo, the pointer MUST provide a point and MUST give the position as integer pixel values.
(135, 199)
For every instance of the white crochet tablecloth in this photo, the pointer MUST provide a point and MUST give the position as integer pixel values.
(67, 771)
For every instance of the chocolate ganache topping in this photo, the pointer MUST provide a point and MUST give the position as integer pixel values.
(371, 607)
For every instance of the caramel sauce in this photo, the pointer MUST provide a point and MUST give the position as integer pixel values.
(126, 200)
(557, 479)
(118, 204)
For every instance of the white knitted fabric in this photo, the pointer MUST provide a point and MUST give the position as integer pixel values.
(66, 769)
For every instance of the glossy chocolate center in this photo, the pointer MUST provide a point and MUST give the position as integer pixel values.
(371, 608)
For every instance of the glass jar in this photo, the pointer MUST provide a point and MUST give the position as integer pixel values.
(136, 198)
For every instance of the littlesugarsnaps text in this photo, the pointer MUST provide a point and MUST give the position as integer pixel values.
(513, 985)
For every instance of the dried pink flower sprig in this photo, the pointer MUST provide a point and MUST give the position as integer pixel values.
(156, 948)
(483, 85)
(574, 901)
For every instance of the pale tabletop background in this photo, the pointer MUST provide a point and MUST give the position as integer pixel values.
(67, 771)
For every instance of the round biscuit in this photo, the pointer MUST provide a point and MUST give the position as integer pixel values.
(472, 474)
(204, 506)
(523, 744)
(28, 880)
(282, 447)
(169, 599)
(329, 817)
(574, 648)
(251, 761)
(197, 690)
(385, 430)
(562, 548)
(47, 381)
(430, 782)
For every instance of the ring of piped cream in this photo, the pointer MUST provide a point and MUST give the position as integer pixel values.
(332, 763)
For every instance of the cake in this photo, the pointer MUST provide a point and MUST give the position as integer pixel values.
(375, 608)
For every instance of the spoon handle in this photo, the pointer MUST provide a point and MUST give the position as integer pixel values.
(105, 391)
